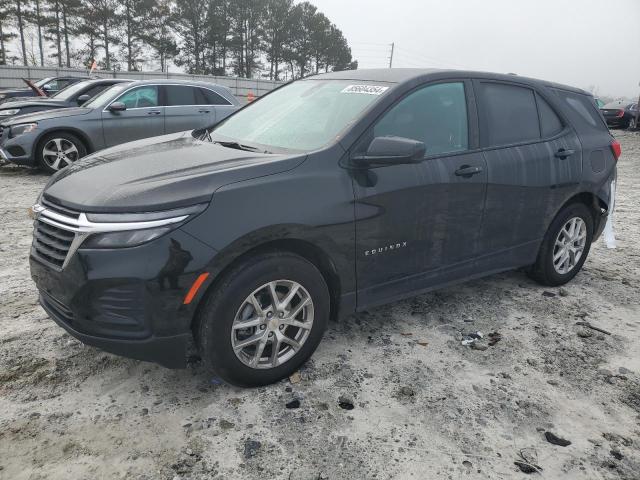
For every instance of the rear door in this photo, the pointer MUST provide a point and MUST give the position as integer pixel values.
(144, 117)
(533, 162)
(185, 109)
(221, 107)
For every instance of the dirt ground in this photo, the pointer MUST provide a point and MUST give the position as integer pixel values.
(390, 393)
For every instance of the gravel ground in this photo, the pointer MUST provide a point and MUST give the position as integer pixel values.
(390, 393)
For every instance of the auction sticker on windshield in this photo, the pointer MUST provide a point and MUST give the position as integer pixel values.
(365, 89)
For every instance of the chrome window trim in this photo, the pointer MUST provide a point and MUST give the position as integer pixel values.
(230, 104)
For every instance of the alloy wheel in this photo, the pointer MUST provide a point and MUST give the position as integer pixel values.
(272, 324)
(57, 153)
(569, 246)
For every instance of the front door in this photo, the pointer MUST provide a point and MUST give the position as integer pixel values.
(417, 225)
(143, 117)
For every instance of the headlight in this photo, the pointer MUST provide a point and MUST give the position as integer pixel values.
(115, 230)
(6, 113)
(22, 129)
(131, 238)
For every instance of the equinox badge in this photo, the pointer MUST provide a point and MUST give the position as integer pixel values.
(386, 248)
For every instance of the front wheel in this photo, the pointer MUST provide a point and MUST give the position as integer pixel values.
(633, 125)
(565, 246)
(264, 319)
(59, 149)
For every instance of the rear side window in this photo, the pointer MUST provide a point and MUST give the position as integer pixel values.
(549, 122)
(180, 95)
(212, 98)
(582, 111)
(510, 114)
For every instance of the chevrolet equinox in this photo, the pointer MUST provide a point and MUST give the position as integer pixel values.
(330, 195)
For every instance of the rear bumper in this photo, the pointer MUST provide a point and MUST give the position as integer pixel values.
(169, 352)
(616, 121)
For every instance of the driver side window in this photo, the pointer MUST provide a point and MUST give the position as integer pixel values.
(435, 115)
(141, 97)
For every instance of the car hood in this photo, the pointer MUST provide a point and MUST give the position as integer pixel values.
(33, 101)
(157, 174)
(13, 91)
(46, 115)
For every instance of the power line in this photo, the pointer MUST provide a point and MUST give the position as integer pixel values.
(421, 56)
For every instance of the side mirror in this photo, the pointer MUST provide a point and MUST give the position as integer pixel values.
(391, 151)
(117, 107)
(82, 99)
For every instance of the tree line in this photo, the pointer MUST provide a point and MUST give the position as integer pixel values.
(275, 39)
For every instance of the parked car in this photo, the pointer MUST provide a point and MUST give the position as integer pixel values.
(49, 85)
(620, 114)
(72, 96)
(330, 195)
(123, 113)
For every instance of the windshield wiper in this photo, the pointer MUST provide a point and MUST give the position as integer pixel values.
(240, 146)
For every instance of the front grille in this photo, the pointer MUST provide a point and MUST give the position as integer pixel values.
(51, 244)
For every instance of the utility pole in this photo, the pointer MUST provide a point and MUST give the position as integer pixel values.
(393, 45)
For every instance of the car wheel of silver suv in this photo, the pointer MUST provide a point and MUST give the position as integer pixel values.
(58, 150)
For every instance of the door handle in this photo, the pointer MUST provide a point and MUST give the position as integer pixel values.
(204, 111)
(467, 171)
(564, 153)
(154, 112)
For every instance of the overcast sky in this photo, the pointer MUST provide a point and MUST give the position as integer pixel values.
(583, 43)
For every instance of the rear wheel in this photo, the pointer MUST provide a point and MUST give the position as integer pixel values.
(59, 149)
(565, 246)
(264, 319)
(633, 125)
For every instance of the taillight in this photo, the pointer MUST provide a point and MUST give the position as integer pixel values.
(616, 148)
(620, 114)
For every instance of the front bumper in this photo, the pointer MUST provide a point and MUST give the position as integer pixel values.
(18, 150)
(169, 352)
(127, 301)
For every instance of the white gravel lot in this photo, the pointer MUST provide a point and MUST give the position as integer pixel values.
(424, 406)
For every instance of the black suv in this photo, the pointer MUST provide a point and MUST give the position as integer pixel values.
(327, 196)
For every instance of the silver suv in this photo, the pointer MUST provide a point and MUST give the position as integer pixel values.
(123, 113)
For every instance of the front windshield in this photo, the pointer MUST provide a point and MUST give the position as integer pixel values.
(304, 115)
(106, 95)
(70, 91)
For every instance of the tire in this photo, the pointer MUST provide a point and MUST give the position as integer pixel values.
(547, 272)
(228, 305)
(58, 149)
(632, 124)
